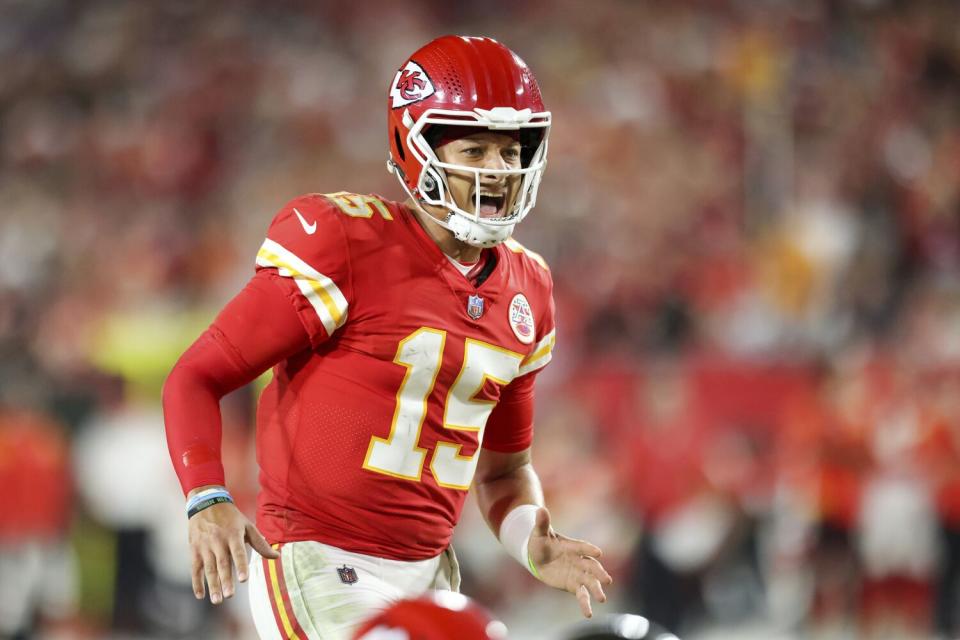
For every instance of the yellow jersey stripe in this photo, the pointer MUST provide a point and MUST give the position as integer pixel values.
(280, 257)
(307, 285)
(516, 247)
(536, 364)
(319, 290)
(543, 347)
(542, 354)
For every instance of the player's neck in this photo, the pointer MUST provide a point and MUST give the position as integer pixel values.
(460, 251)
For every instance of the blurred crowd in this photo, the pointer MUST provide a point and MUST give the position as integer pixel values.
(752, 216)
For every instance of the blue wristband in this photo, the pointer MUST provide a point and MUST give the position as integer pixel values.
(206, 495)
(206, 503)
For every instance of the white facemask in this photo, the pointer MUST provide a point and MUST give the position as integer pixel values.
(433, 188)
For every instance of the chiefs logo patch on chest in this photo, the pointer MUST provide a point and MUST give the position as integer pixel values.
(411, 84)
(521, 319)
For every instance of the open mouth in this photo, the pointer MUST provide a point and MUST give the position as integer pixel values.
(491, 206)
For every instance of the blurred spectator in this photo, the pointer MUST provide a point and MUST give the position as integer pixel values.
(37, 577)
(940, 455)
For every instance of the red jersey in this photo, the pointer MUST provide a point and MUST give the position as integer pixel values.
(369, 440)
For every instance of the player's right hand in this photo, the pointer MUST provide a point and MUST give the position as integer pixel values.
(217, 539)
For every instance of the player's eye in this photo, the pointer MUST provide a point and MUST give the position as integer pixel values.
(511, 153)
(473, 152)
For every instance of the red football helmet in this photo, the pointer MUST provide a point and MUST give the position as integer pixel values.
(440, 615)
(467, 82)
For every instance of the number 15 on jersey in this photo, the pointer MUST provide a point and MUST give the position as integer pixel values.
(421, 353)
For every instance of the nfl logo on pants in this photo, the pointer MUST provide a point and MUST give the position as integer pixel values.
(348, 575)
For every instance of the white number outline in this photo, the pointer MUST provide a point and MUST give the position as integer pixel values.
(509, 363)
(387, 444)
(468, 399)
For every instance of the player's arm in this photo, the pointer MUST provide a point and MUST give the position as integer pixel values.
(511, 500)
(297, 300)
(257, 329)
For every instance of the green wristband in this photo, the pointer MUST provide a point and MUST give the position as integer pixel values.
(533, 569)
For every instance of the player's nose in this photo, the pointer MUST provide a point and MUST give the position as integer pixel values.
(493, 160)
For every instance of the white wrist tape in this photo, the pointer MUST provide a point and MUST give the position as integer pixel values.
(515, 534)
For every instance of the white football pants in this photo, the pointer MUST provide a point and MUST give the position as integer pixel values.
(318, 592)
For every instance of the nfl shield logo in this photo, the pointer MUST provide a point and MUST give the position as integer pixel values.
(348, 575)
(475, 307)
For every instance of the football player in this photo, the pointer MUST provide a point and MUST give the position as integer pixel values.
(405, 339)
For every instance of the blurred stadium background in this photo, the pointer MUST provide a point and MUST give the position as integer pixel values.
(752, 213)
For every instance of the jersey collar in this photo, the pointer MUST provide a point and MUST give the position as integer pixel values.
(432, 252)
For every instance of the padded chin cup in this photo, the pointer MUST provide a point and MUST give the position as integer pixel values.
(475, 233)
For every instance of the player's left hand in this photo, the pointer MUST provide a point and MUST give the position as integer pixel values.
(568, 564)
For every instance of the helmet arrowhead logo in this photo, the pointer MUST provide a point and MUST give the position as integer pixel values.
(410, 85)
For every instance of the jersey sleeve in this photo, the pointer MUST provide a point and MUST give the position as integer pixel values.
(510, 425)
(306, 245)
(254, 331)
(542, 351)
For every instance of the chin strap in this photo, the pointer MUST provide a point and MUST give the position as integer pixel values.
(474, 233)
(462, 228)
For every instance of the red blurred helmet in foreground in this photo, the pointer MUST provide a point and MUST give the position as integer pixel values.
(467, 82)
(441, 615)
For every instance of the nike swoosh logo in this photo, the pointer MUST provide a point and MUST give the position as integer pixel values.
(309, 228)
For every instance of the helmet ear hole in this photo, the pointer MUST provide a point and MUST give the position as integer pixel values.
(430, 186)
(399, 144)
